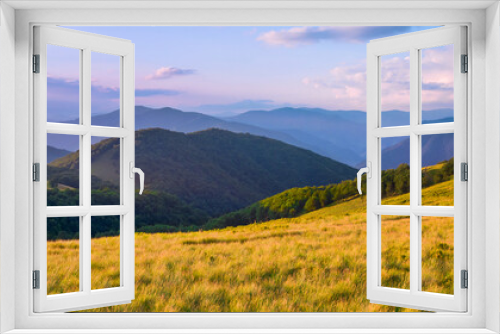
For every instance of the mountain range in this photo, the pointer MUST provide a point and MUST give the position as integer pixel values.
(339, 135)
(435, 148)
(216, 171)
(181, 121)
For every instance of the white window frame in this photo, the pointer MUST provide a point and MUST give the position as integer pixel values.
(413, 44)
(87, 44)
(483, 123)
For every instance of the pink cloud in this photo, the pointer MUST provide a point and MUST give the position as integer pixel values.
(345, 85)
(395, 82)
(309, 35)
(169, 72)
(437, 77)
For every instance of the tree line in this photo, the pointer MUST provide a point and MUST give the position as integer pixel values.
(297, 201)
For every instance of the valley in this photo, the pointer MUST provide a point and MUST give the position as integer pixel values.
(312, 263)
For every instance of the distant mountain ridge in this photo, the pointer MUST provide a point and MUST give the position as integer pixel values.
(187, 122)
(216, 171)
(343, 131)
(435, 148)
(337, 134)
(54, 153)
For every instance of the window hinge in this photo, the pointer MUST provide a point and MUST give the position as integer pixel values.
(465, 64)
(465, 279)
(36, 63)
(36, 172)
(36, 279)
(464, 171)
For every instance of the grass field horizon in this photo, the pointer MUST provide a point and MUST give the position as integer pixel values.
(312, 263)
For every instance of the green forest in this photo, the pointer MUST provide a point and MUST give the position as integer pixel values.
(297, 201)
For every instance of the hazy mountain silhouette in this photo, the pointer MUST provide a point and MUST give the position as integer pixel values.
(180, 121)
(341, 129)
(339, 135)
(435, 148)
(401, 118)
(55, 153)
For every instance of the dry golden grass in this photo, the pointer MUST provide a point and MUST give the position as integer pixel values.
(63, 266)
(312, 263)
(105, 262)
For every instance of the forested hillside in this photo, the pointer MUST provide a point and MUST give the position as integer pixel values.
(191, 178)
(158, 211)
(297, 201)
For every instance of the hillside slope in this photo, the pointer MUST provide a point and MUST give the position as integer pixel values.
(214, 170)
(312, 263)
(298, 201)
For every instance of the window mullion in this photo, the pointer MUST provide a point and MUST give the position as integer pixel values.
(85, 167)
(86, 119)
(82, 256)
(414, 171)
(86, 263)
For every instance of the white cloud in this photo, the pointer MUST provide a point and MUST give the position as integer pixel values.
(437, 77)
(345, 85)
(169, 72)
(309, 35)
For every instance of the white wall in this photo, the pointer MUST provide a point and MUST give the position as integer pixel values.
(130, 17)
(492, 160)
(7, 163)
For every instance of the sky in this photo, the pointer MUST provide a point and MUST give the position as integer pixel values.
(224, 70)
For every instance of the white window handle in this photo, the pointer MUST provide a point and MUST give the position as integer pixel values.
(368, 171)
(139, 171)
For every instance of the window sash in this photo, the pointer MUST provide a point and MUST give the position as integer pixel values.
(85, 298)
(414, 298)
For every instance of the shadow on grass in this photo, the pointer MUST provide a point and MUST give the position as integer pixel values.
(206, 241)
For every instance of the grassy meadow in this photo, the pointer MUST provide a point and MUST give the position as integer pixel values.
(313, 263)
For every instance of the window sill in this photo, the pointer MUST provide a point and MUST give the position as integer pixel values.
(249, 331)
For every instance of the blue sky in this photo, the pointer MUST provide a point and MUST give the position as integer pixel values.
(229, 69)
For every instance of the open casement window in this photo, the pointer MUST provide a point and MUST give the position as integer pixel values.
(392, 278)
(65, 282)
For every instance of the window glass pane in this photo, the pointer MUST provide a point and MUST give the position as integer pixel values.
(63, 170)
(395, 251)
(438, 170)
(105, 89)
(105, 252)
(63, 84)
(106, 171)
(437, 254)
(395, 179)
(63, 255)
(437, 84)
(395, 89)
